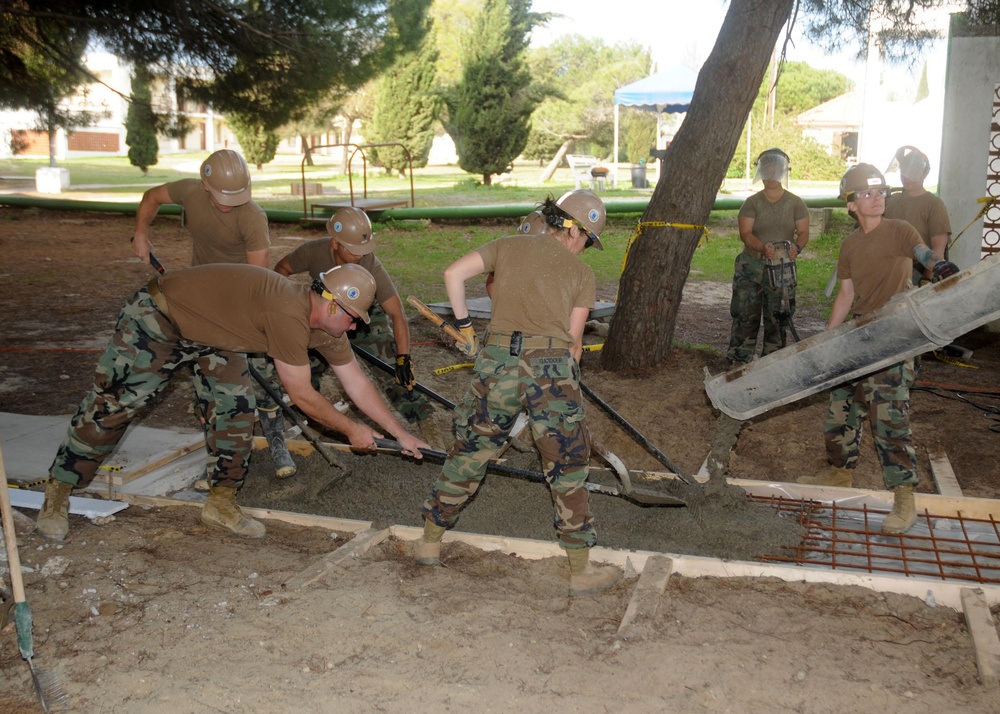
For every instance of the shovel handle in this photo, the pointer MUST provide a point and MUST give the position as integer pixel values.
(449, 329)
(13, 559)
(389, 369)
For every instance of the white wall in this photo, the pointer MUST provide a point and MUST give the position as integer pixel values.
(972, 78)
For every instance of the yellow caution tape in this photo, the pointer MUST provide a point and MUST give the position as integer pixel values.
(593, 348)
(987, 201)
(30, 484)
(444, 370)
(109, 467)
(662, 224)
(953, 361)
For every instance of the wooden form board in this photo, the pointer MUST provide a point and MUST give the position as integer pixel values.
(944, 475)
(983, 631)
(121, 475)
(646, 597)
(354, 548)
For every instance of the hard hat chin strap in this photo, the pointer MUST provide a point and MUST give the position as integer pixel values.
(320, 289)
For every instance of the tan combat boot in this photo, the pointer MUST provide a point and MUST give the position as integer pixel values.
(53, 518)
(830, 476)
(428, 548)
(904, 510)
(587, 579)
(220, 510)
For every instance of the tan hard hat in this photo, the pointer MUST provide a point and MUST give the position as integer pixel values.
(352, 228)
(533, 224)
(227, 176)
(859, 178)
(587, 209)
(350, 285)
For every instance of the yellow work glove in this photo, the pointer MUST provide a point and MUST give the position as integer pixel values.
(471, 344)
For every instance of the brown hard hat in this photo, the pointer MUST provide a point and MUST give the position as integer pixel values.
(859, 178)
(352, 228)
(350, 285)
(587, 209)
(227, 177)
(533, 224)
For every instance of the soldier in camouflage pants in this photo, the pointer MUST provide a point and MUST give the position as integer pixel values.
(545, 383)
(883, 398)
(754, 299)
(145, 351)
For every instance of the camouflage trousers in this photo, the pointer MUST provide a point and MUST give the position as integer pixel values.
(754, 301)
(884, 398)
(145, 351)
(379, 341)
(545, 383)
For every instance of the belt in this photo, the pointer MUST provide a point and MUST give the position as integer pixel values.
(517, 342)
(153, 288)
(755, 254)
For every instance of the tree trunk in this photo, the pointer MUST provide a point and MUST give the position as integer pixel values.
(695, 162)
(556, 160)
(487, 179)
(53, 146)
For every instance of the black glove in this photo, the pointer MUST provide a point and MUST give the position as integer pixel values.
(404, 373)
(944, 269)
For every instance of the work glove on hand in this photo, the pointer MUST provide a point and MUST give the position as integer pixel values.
(944, 269)
(471, 345)
(404, 372)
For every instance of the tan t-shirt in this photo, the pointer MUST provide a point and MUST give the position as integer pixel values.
(774, 221)
(926, 213)
(314, 257)
(879, 263)
(246, 308)
(219, 237)
(537, 284)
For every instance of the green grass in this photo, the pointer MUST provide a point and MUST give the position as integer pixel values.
(416, 256)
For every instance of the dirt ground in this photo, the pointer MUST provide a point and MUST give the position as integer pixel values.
(152, 612)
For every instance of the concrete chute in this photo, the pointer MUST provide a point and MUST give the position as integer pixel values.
(910, 324)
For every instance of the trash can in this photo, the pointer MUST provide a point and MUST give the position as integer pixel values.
(639, 175)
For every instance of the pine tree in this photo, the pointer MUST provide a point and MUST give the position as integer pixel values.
(489, 110)
(140, 123)
(257, 143)
(406, 107)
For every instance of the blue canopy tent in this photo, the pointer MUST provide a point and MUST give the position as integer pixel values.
(667, 92)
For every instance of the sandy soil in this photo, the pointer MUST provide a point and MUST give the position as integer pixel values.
(152, 612)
